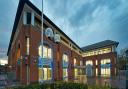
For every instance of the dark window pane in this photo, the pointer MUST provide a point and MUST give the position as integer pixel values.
(28, 18)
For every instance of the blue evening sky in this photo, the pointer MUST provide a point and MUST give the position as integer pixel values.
(84, 21)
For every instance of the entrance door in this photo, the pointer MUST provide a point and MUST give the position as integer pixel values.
(89, 70)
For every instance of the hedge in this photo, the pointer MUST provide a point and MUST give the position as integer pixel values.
(54, 86)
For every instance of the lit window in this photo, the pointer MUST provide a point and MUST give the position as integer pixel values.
(65, 58)
(75, 72)
(47, 52)
(105, 67)
(96, 71)
(47, 73)
(27, 45)
(89, 62)
(96, 62)
(74, 61)
(65, 73)
(81, 63)
(65, 66)
(40, 51)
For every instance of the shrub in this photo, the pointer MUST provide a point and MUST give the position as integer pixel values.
(54, 86)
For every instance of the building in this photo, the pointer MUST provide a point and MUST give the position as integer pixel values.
(102, 58)
(62, 58)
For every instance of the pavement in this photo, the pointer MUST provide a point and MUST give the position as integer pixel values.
(114, 82)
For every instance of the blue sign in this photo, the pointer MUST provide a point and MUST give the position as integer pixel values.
(40, 62)
(65, 64)
(106, 65)
(18, 62)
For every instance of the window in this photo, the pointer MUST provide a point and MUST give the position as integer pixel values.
(28, 18)
(81, 63)
(105, 67)
(65, 73)
(98, 51)
(47, 73)
(49, 70)
(96, 62)
(40, 51)
(47, 52)
(96, 71)
(74, 61)
(28, 45)
(89, 62)
(65, 58)
(75, 72)
(65, 66)
(37, 22)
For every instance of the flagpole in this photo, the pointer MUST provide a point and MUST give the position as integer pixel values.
(42, 36)
(42, 30)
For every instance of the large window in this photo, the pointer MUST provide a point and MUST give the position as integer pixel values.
(105, 67)
(65, 66)
(47, 52)
(89, 62)
(47, 74)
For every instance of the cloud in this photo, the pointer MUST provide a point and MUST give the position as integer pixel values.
(84, 21)
(7, 12)
(90, 21)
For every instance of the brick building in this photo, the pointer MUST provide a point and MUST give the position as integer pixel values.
(62, 58)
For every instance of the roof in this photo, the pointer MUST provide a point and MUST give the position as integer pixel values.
(17, 18)
(100, 45)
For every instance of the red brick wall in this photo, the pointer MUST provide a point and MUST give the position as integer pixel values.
(58, 50)
(111, 56)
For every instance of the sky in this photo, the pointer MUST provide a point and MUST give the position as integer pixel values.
(84, 21)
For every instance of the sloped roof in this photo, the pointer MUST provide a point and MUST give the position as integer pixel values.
(17, 18)
(100, 45)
